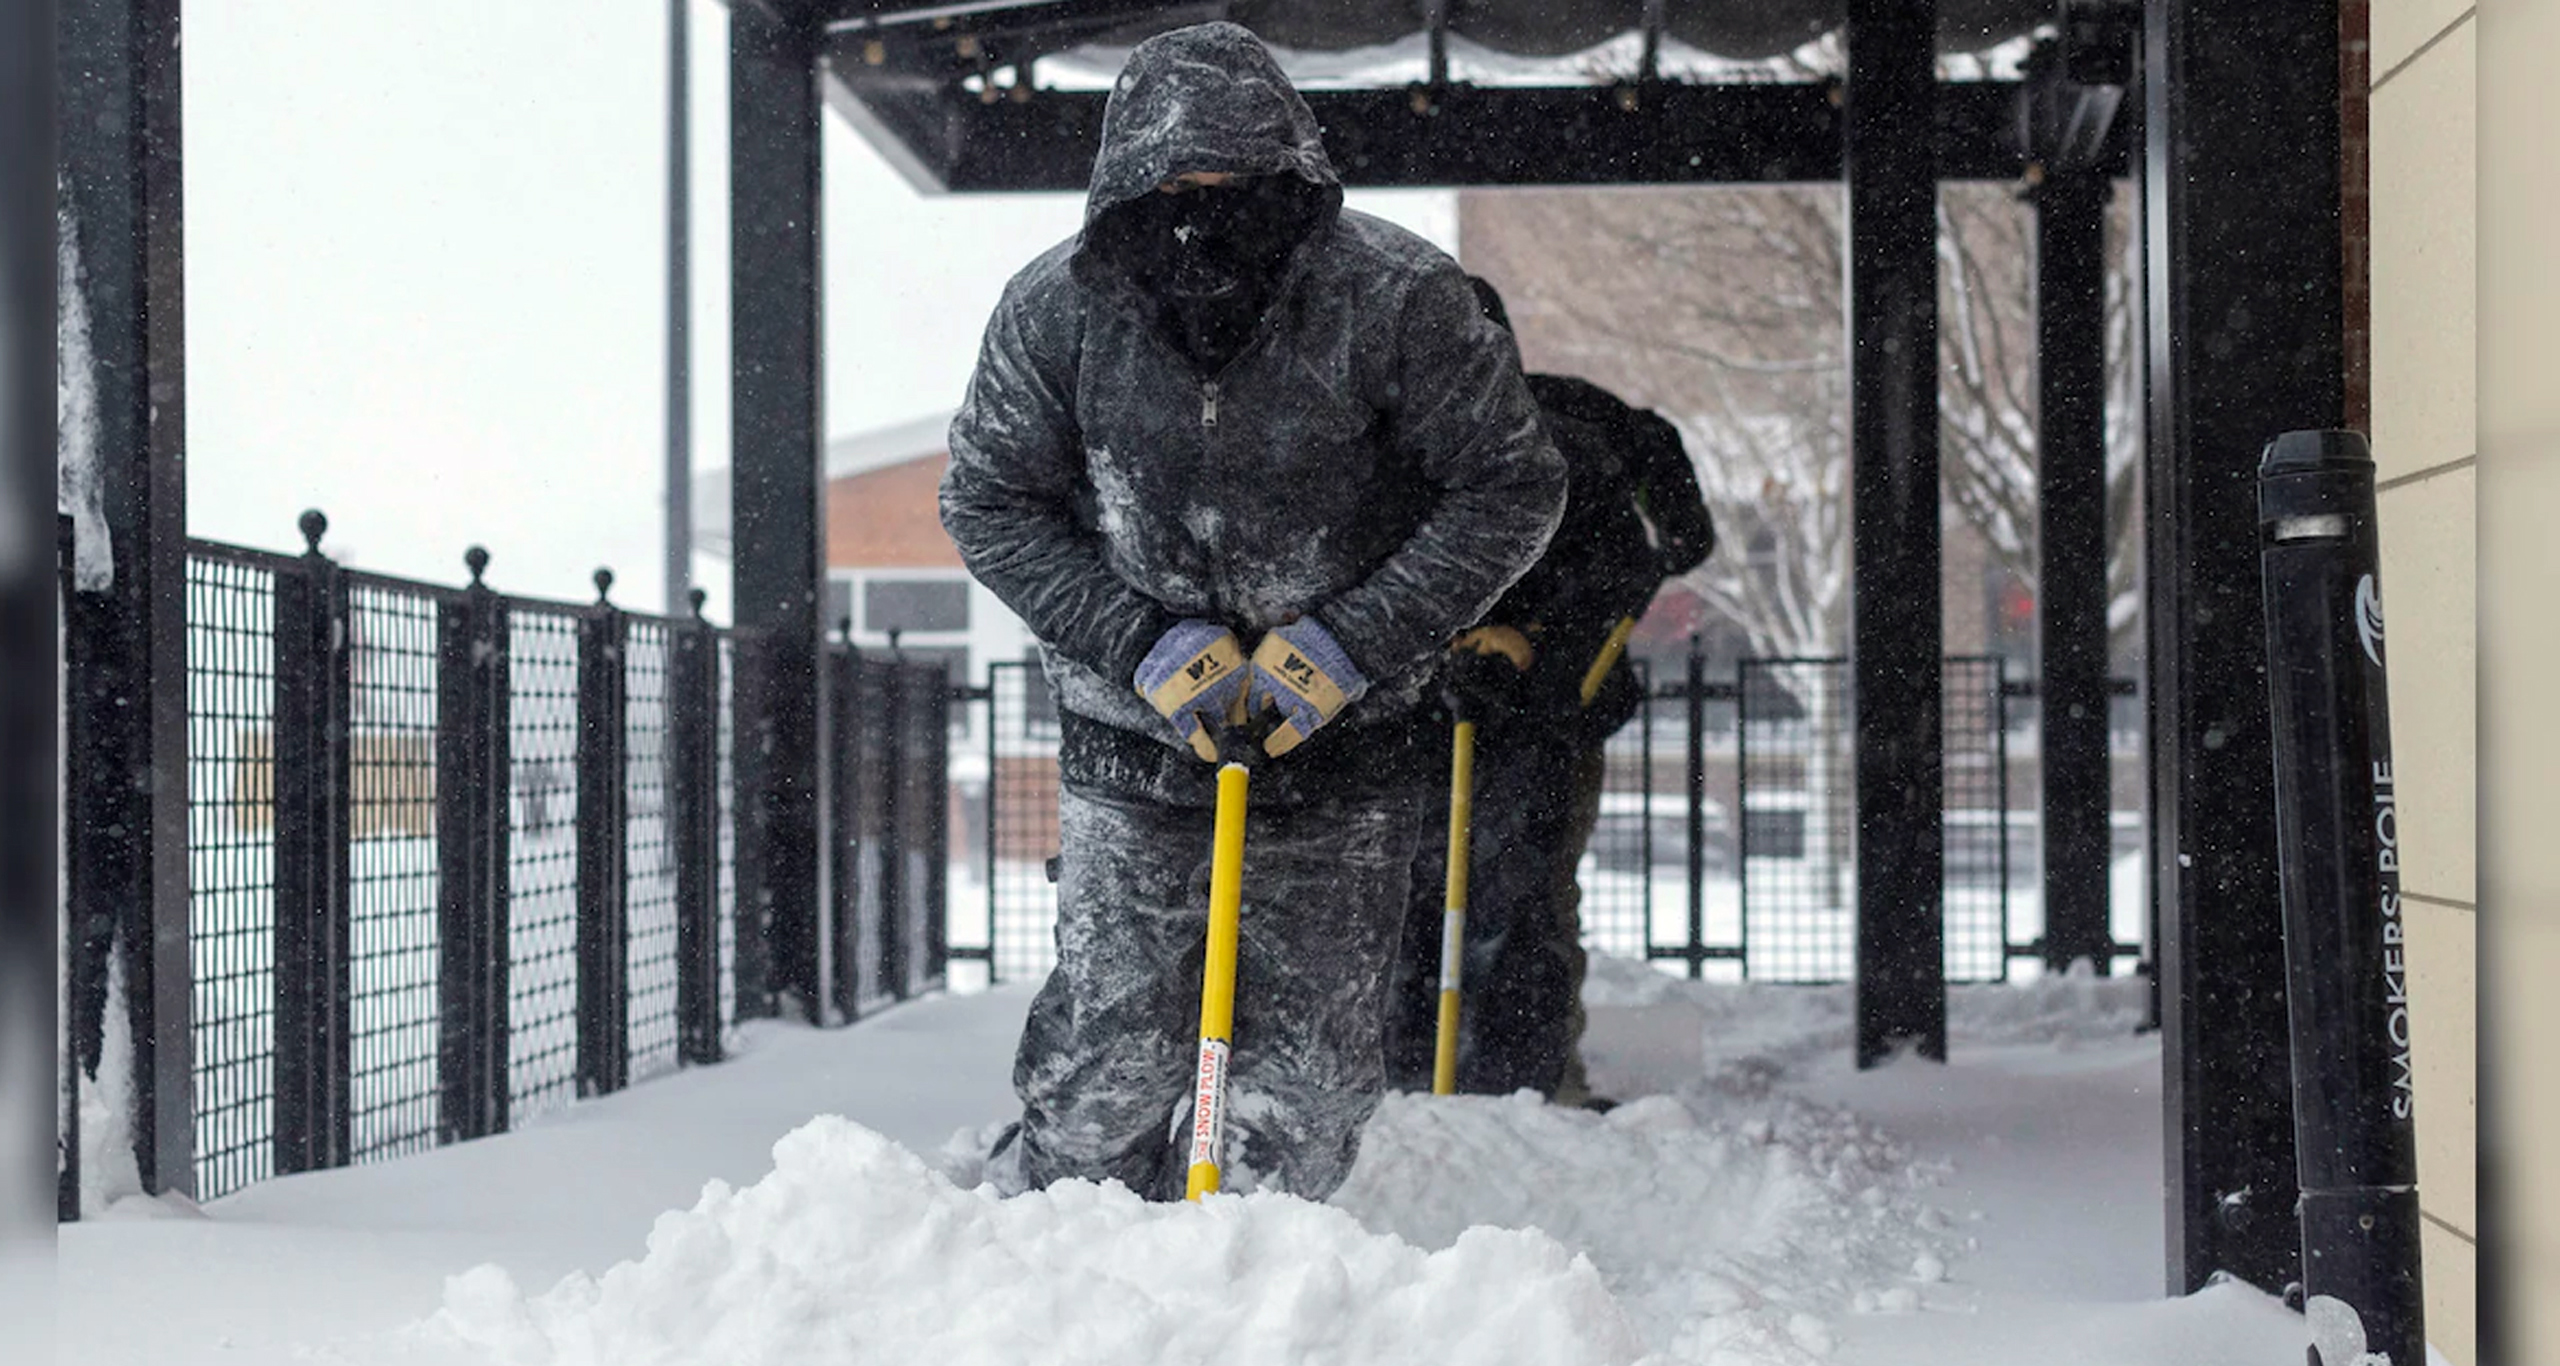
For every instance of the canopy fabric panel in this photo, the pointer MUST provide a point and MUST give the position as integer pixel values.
(1738, 29)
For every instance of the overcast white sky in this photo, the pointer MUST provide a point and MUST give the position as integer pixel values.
(425, 280)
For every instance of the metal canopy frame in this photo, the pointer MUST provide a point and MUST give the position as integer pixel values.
(922, 83)
(944, 138)
(902, 74)
(2240, 181)
(2236, 123)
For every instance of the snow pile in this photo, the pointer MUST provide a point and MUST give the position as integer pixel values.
(853, 1250)
(110, 1173)
(1730, 1222)
(2075, 1008)
(1785, 1024)
(1734, 1228)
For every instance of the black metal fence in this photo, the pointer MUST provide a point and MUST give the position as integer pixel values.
(891, 866)
(1020, 831)
(458, 858)
(1724, 840)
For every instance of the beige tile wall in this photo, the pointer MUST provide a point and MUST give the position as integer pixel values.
(2519, 421)
(2425, 305)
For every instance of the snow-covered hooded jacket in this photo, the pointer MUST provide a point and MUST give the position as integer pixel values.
(1372, 457)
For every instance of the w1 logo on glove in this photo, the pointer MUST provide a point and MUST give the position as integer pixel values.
(1301, 672)
(1195, 676)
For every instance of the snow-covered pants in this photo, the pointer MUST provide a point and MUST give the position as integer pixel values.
(1105, 1065)
(1520, 1017)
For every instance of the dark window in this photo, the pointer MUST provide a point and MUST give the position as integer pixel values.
(915, 605)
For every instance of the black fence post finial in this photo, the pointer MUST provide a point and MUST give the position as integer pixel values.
(850, 846)
(693, 802)
(311, 748)
(474, 801)
(1697, 805)
(2338, 866)
(604, 817)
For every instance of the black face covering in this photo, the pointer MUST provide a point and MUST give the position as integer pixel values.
(1212, 258)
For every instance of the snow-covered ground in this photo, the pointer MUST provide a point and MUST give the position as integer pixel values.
(1756, 1202)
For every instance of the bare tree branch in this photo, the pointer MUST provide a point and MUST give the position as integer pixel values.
(1724, 310)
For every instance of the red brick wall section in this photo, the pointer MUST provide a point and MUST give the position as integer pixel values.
(890, 519)
(2355, 205)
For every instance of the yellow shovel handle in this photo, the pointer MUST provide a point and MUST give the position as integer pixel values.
(1607, 659)
(1218, 982)
(1453, 916)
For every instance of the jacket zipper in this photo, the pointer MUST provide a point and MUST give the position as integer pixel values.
(1209, 403)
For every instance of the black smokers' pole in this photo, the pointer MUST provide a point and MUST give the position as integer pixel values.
(2338, 846)
(679, 309)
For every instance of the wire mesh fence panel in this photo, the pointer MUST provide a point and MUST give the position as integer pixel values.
(1613, 873)
(319, 703)
(231, 868)
(2023, 743)
(1975, 817)
(2128, 870)
(392, 872)
(1719, 837)
(863, 834)
(1022, 828)
(649, 867)
(1635, 872)
(1798, 887)
(2128, 837)
(542, 860)
(924, 803)
(725, 805)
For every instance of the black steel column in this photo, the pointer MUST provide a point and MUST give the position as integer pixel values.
(1895, 629)
(679, 556)
(62, 990)
(604, 828)
(313, 794)
(120, 162)
(2071, 560)
(693, 812)
(2245, 302)
(778, 534)
(473, 711)
(29, 591)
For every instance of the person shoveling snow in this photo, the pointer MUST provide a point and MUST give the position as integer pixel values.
(1233, 448)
